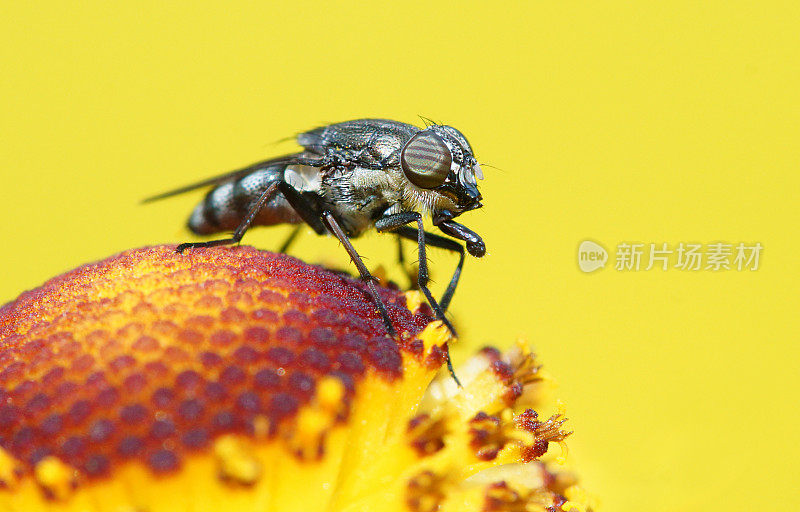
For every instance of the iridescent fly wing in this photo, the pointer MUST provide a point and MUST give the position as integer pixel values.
(232, 175)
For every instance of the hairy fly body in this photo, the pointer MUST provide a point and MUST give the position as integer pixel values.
(352, 177)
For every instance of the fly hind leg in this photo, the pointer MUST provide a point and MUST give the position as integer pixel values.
(290, 239)
(319, 222)
(442, 243)
(243, 226)
(295, 199)
(408, 271)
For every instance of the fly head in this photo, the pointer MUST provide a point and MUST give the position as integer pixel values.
(440, 159)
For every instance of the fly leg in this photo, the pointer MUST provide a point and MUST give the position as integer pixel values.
(325, 221)
(336, 229)
(397, 223)
(290, 239)
(442, 243)
(475, 247)
(319, 222)
(295, 199)
(243, 226)
(401, 260)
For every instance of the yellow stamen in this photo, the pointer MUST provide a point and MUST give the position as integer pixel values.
(578, 499)
(435, 334)
(562, 459)
(413, 300)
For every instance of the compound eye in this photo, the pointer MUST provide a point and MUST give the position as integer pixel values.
(426, 160)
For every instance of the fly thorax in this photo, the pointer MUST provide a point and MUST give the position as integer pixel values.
(358, 196)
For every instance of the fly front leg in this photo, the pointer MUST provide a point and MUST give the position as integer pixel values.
(401, 260)
(444, 221)
(442, 243)
(475, 247)
(334, 227)
(392, 223)
(397, 223)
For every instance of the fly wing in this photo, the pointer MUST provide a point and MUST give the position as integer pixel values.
(347, 140)
(232, 175)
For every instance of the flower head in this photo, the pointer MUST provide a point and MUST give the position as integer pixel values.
(233, 379)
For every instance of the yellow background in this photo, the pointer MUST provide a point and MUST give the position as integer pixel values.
(614, 121)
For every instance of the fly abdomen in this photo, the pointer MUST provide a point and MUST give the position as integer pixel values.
(226, 206)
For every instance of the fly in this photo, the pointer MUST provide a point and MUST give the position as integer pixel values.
(349, 178)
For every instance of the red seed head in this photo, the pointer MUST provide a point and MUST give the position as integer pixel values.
(150, 355)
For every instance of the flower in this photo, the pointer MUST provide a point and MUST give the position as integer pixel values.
(234, 379)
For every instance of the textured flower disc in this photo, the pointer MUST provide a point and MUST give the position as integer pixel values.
(234, 379)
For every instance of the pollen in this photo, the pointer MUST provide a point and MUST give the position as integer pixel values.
(235, 379)
(436, 334)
